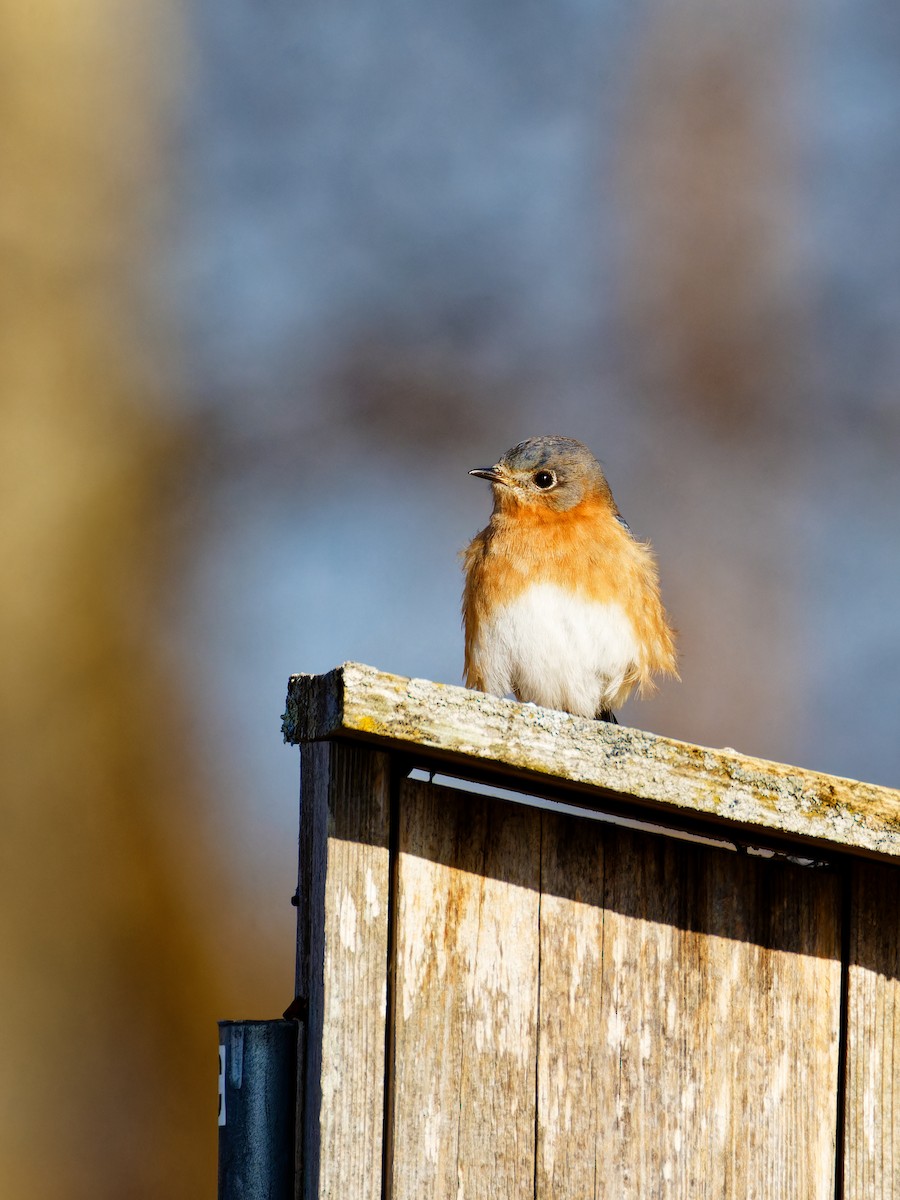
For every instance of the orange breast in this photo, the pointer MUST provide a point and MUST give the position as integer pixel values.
(585, 550)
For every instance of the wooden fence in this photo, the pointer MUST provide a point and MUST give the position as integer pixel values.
(697, 999)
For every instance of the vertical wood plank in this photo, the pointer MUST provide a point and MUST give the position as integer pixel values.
(872, 1112)
(689, 1026)
(466, 989)
(571, 1008)
(342, 967)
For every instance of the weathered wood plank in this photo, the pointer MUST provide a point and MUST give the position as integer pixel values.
(573, 1001)
(872, 1114)
(689, 1027)
(466, 981)
(746, 795)
(342, 968)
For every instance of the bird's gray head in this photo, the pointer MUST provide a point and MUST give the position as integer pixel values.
(551, 472)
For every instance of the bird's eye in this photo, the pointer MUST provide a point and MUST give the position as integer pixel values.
(544, 479)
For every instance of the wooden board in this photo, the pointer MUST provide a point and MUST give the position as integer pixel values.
(573, 1005)
(342, 968)
(681, 1005)
(465, 997)
(872, 1128)
(749, 798)
(718, 1032)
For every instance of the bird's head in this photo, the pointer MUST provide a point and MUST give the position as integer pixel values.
(553, 473)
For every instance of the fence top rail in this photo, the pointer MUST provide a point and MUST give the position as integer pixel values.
(521, 743)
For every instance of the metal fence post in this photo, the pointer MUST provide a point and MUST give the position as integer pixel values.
(257, 1104)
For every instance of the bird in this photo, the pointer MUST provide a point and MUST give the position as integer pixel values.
(561, 604)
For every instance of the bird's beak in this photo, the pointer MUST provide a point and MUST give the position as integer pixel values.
(494, 474)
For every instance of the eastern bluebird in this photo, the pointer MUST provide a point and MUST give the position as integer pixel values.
(561, 603)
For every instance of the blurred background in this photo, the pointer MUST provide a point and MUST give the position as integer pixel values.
(274, 277)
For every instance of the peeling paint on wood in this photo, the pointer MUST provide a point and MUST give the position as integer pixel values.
(462, 727)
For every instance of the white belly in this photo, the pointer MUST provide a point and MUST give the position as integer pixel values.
(554, 649)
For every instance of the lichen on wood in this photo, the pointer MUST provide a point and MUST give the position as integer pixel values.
(459, 728)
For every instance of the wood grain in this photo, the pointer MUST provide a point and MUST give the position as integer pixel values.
(747, 797)
(466, 982)
(573, 1000)
(342, 968)
(872, 1126)
(682, 1005)
(578, 1009)
(690, 1013)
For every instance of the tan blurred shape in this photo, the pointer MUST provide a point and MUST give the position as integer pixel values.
(108, 994)
(713, 284)
(716, 316)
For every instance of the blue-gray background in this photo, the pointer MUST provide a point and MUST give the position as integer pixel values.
(411, 236)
